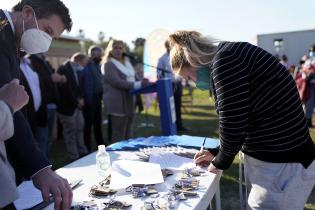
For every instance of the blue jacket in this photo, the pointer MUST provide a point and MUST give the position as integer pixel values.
(89, 82)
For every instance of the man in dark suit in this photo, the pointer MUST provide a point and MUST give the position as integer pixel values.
(70, 106)
(31, 26)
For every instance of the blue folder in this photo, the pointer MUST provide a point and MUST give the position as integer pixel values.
(163, 141)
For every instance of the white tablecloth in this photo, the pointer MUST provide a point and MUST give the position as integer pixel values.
(85, 169)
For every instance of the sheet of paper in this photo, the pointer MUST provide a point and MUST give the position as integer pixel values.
(171, 161)
(29, 196)
(127, 172)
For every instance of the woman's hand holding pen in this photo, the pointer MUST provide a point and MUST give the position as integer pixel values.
(203, 158)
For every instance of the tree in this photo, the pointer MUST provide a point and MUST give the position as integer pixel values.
(87, 45)
(139, 47)
(101, 36)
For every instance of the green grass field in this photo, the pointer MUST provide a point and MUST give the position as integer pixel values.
(201, 119)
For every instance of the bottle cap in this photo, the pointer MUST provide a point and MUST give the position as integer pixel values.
(101, 147)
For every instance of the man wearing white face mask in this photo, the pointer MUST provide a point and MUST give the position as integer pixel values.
(31, 26)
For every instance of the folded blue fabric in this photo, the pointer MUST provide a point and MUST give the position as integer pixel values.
(163, 141)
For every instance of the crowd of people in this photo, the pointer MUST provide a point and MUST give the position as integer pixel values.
(304, 75)
(75, 94)
(260, 112)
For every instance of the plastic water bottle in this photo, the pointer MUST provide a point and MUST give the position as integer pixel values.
(102, 161)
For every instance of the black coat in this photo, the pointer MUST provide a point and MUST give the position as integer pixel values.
(69, 92)
(29, 110)
(44, 71)
(21, 148)
(49, 91)
(39, 117)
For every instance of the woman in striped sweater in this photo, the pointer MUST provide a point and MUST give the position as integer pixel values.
(260, 114)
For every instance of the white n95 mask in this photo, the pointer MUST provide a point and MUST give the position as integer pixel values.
(35, 41)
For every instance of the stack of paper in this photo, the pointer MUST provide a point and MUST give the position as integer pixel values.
(171, 161)
(127, 172)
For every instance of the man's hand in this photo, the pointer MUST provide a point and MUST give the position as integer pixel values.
(145, 82)
(58, 78)
(48, 182)
(14, 94)
(203, 158)
(81, 103)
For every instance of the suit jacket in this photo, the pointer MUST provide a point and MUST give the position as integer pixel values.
(29, 109)
(39, 117)
(44, 71)
(117, 99)
(69, 92)
(8, 191)
(25, 156)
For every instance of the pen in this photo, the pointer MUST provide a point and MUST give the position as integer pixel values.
(203, 145)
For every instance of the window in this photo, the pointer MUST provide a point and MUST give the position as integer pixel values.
(278, 44)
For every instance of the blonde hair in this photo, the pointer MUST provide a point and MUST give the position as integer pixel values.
(190, 48)
(109, 49)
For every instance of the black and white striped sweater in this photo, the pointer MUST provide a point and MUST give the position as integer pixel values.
(259, 108)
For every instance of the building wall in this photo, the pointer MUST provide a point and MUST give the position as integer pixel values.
(62, 49)
(295, 44)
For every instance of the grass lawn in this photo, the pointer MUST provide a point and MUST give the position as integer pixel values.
(201, 119)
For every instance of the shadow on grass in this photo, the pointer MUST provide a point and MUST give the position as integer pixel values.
(195, 127)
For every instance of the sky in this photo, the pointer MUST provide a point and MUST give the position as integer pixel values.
(234, 20)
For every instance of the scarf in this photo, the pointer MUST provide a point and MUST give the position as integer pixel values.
(126, 69)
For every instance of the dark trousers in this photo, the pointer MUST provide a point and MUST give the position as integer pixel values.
(121, 127)
(178, 92)
(139, 104)
(93, 117)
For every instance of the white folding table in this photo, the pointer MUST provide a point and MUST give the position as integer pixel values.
(85, 170)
